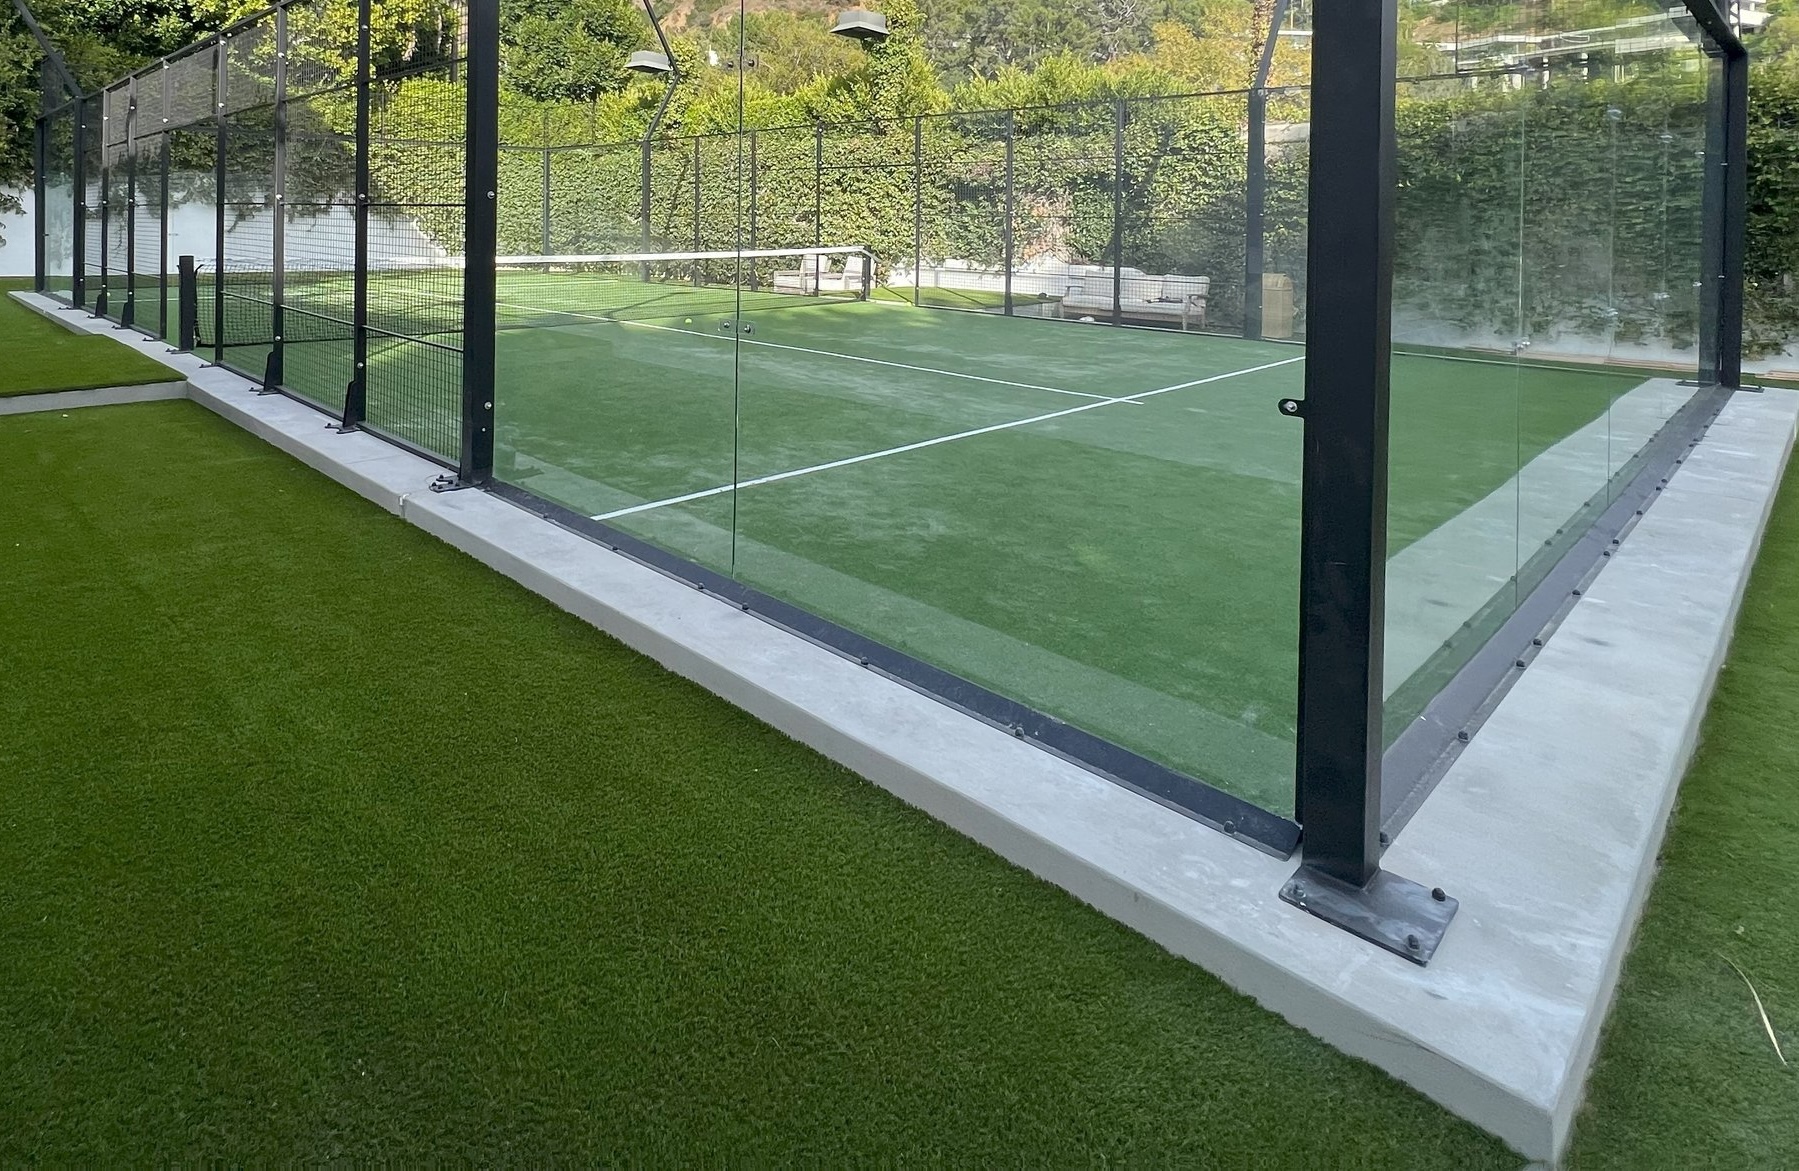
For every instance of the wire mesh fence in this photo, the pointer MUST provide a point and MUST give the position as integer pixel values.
(252, 154)
(1126, 211)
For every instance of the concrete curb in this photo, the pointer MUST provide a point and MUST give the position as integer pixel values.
(105, 396)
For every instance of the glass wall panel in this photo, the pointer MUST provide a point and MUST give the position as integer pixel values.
(1452, 515)
(937, 355)
(1545, 320)
(93, 199)
(1034, 467)
(615, 360)
(59, 202)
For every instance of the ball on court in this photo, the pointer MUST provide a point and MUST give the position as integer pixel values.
(687, 321)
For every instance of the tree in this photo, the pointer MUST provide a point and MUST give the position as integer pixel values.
(571, 50)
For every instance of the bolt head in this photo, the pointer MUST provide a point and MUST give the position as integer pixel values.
(1413, 943)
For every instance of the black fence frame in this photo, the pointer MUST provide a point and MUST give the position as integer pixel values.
(1344, 807)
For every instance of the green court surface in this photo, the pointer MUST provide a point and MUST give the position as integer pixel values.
(1100, 522)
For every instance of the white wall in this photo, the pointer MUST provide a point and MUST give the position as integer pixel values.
(16, 232)
(312, 241)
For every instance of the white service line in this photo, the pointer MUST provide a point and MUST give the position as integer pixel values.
(923, 443)
(748, 341)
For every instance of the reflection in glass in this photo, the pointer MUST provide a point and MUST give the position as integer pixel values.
(1545, 319)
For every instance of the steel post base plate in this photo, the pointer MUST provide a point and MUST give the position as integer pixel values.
(1392, 912)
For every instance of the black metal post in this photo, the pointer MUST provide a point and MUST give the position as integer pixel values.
(1006, 236)
(187, 305)
(1723, 194)
(917, 209)
(1736, 194)
(128, 314)
(698, 275)
(481, 246)
(818, 185)
(545, 247)
(162, 218)
(644, 205)
(356, 399)
(1708, 288)
(218, 254)
(1344, 481)
(668, 92)
(40, 202)
(1255, 215)
(1119, 114)
(274, 373)
(78, 197)
(755, 199)
(103, 299)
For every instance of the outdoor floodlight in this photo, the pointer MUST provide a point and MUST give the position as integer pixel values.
(861, 24)
(647, 61)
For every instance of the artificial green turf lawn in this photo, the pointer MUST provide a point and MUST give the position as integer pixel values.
(1686, 1076)
(41, 355)
(322, 841)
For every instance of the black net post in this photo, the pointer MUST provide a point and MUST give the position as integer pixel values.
(1006, 237)
(818, 185)
(78, 194)
(356, 396)
(482, 242)
(187, 304)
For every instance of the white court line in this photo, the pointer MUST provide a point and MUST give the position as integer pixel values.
(924, 443)
(859, 358)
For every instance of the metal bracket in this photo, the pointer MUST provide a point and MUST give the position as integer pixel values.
(1391, 912)
(451, 483)
(1294, 408)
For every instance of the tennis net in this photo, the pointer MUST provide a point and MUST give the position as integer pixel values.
(422, 298)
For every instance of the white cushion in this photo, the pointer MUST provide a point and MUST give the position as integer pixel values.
(1135, 286)
(1179, 288)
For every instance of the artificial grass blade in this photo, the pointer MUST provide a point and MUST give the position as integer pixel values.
(1767, 1025)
